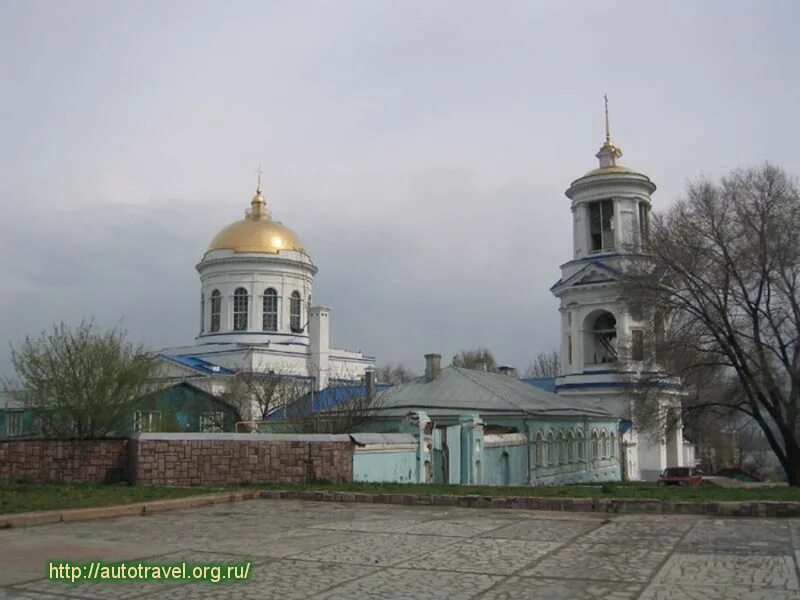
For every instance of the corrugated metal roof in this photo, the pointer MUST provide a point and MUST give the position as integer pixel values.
(329, 398)
(548, 384)
(198, 364)
(458, 389)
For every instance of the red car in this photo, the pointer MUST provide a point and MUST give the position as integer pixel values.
(680, 476)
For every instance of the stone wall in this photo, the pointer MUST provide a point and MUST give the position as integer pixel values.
(230, 458)
(69, 461)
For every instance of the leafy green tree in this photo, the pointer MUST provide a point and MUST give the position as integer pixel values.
(81, 381)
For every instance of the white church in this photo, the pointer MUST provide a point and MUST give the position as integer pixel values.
(256, 311)
(257, 315)
(610, 211)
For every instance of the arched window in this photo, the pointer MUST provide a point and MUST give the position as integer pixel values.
(539, 450)
(604, 445)
(295, 307)
(202, 311)
(562, 448)
(216, 309)
(581, 443)
(571, 447)
(550, 458)
(613, 453)
(270, 314)
(595, 446)
(240, 309)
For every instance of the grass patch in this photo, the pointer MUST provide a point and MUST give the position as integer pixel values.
(26, 497)
(705, 493)
(23, 497)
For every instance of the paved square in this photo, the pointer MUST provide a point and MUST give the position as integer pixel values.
(353, 551)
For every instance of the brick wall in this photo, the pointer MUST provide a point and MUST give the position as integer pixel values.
(70, 461)
(211, 459)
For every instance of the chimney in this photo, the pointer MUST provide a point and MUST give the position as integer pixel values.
(319, 345)
(369, 380)
(510, 371)
(433, 366)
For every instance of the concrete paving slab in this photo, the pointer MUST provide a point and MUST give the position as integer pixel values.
(304, 549)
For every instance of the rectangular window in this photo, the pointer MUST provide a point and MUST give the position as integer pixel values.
(240, 309)
(569, 349)
(295, 312)
(212, 421)
(637, 344)
(14, 423)
(601, 225)
(270, 312)
(144, 422)
(216, 310)
(644, 224)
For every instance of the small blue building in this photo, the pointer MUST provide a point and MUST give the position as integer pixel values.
(492, 428)
(180, 407)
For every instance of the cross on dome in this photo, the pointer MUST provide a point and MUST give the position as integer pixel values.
(260, 172)
(609, 153)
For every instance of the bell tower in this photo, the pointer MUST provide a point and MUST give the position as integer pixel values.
(610, 210)
(601, 340)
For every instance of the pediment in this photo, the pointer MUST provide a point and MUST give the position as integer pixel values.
(592, 273)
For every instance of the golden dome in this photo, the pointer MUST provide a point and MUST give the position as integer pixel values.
(257, 232)
(614, 169)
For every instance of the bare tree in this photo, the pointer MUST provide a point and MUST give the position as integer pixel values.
(394, 374)
(721, 277)
(545, 365)
(82, 382)
(343, 407)
(480, 359)
(256, 395)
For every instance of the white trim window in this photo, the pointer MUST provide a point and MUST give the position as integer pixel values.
(571, 443)
(216, 310)
(212, 421)
(146, 422)
(539, 450)
(240, 302)
(270, 310)
(295, 312)
(550, 452)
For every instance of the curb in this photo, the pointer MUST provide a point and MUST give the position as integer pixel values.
(31, 519)
(759, 508)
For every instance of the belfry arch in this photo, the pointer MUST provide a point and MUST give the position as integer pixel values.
(600, 338)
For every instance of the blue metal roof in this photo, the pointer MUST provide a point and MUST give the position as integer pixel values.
(198, 364)
(329, 398)
(548, 384)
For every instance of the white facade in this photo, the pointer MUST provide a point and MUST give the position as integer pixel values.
(601, 341)
(256, 282)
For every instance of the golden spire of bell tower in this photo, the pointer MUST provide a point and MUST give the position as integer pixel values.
(609, 153)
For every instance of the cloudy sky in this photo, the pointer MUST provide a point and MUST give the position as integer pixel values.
(419, 149)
